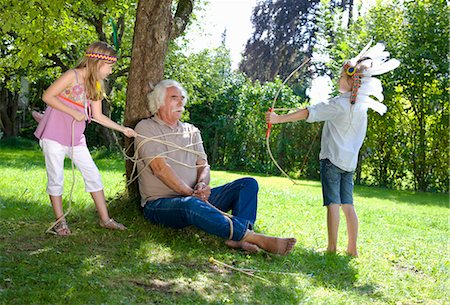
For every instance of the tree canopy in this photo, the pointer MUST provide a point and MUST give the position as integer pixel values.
(406, 148)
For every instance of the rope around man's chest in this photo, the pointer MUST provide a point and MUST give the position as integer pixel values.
(175, 147)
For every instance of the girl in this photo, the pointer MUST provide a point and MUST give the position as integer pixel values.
(343, 134)
(73, 99)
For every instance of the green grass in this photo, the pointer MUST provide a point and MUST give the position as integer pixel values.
(403, 246)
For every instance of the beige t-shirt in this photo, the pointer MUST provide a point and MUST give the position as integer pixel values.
(166, 142)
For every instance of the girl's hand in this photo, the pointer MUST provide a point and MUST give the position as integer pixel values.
(78, 116)
(129, 132)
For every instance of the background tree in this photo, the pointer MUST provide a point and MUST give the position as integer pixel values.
(401, 148)
(406, 148)
(42, 39)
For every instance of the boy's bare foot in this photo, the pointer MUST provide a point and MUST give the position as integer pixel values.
(276, 245)
(326, 251)
(353, 253)
(331, 250)
(246, 246)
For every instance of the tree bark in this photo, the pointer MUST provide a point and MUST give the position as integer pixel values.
(153, 31)
(9, 104)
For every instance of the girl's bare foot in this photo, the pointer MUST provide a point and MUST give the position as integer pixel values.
(246, 246)
(276, 245)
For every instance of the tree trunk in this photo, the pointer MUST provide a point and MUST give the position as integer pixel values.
(107, 135)
(9, 103)
(154, 29)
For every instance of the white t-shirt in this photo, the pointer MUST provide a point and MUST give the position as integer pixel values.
(343, 132)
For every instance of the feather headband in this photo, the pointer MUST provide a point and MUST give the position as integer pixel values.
(369, 62)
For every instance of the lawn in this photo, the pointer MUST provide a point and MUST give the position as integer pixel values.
(403, 246)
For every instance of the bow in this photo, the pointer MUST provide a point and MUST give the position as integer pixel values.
(269, 125)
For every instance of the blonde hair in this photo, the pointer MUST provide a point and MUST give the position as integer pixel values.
(95, 87)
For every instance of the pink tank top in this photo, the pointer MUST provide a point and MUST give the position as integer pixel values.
(57, 125)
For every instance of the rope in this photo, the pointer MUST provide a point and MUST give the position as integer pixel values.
(135, 159)
(244, 271)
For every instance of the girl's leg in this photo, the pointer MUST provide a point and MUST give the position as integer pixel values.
(93, 183)
(100, 205)
(332, 226)
(352, 228)
(61, 227)
(105, 221)
(57, 206)
(54, 154)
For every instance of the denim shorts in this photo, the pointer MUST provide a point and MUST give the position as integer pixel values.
(337, 184)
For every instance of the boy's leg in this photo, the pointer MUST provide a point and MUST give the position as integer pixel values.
(330, 176)
(352, 228)
(332, 226)
(348, 208)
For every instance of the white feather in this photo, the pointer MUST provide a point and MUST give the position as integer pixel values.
(377, 63)
(387, 66)
(371, 86)
(375, 51)
(371, 103)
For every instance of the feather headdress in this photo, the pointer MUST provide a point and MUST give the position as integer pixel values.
(369, 62)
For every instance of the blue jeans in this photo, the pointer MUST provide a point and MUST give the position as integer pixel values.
(337, 184)
(239, 196)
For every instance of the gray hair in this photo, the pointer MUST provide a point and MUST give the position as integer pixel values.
(157, 96)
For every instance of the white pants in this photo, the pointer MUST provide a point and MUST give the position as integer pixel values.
(55, 154)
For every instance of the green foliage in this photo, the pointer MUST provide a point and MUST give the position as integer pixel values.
(405, 263)
(408, 146)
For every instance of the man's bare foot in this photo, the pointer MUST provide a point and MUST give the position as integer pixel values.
(246, 246)
(276, 245)
(37, 116)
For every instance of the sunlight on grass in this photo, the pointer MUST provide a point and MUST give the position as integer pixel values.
(93, 264)
(403, 245)
(150, 252)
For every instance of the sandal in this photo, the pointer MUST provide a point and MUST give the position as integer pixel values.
(112, 224)
(61, 228)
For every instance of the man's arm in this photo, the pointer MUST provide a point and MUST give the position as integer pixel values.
(166, 174)
(202, 188)
(203, 173)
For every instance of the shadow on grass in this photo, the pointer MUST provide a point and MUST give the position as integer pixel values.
(148, 263)
(408, 197)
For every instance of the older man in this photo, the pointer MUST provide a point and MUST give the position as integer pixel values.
(174, 179)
